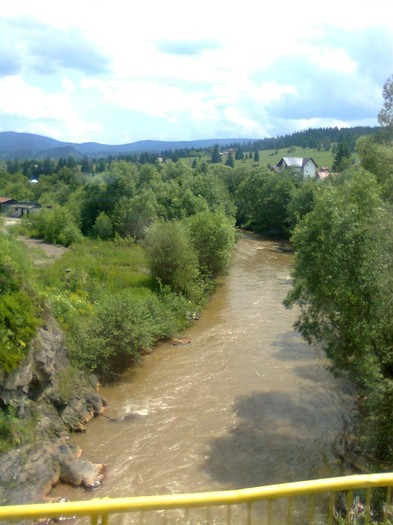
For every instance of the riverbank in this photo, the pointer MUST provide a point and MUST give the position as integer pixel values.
(36, 392)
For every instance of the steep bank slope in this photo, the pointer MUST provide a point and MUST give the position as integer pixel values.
(45, 392)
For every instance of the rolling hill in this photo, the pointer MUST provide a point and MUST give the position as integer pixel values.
(14, 145)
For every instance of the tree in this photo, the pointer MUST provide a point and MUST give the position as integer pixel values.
(55, 225)
(131, 217)
(326, 144)
(172, 260)
(301, 203)
(230, 162)
(342, 159)
(343, 284)
(376, 155)
(212, 237)
(216, 156)
(256, 156)
(102, 227)
(262, 200)
(385, 116)
(239, 153)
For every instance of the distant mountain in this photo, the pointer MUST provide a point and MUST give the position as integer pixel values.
(23, 146)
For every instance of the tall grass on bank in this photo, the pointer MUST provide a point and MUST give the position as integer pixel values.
(108, 305)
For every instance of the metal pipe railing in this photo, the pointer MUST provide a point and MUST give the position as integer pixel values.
(104, 507)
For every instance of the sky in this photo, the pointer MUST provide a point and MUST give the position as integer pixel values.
(118, 71)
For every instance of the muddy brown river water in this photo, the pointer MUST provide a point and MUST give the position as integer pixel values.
(246, 403)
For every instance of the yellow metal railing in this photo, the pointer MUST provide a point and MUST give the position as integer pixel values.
(350, 499)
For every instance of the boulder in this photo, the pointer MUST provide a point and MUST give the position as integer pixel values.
(82, 472)
(29, 473)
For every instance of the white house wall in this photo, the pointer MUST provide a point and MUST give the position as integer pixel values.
(309, 169)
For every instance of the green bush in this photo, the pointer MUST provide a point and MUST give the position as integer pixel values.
(123, 327)
(172, 260)
(55, 225)
(19, 304)
(212, 237)
(102, 228)
(18, 324)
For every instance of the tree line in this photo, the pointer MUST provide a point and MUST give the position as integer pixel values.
(313, 138)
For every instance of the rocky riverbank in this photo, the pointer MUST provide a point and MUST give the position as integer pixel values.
(53, 400)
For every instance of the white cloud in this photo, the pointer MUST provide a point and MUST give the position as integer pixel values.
(164, 69)
(22, 100)
(272, 91)
(332, 59)
(68, 85)
(46, 111)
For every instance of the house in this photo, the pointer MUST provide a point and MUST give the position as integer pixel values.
(5, 203)
(305, 166)
(14, 208)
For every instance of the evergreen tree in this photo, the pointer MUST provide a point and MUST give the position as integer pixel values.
(342, 160)
(230, 162)
(216, 157)
(239, 155)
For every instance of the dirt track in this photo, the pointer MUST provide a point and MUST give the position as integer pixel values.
(44, 252)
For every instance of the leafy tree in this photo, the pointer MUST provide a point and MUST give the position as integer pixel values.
(262, 200)
(385, 116)
(301, 203)
(103, 228)
(131, 217)
(16, 186)
(93, 202)
(376, 155)
(55, 225)
(343, 284)
(212, 189)
(212, 237)
(172, 260)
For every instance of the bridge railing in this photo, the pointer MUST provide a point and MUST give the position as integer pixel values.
(361, 499)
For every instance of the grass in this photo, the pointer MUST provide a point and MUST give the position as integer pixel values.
(98, 266)
(270, 157)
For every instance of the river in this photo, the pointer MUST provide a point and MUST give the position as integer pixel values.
(247, 402)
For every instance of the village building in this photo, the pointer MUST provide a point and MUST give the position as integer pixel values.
(13, 208)
(305, 166)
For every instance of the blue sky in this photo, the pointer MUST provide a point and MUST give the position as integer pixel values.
(119, 71)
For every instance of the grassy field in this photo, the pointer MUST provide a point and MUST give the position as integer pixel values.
(270, 157)
(322, 158)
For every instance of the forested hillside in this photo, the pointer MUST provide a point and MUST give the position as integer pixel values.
(25, 147)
